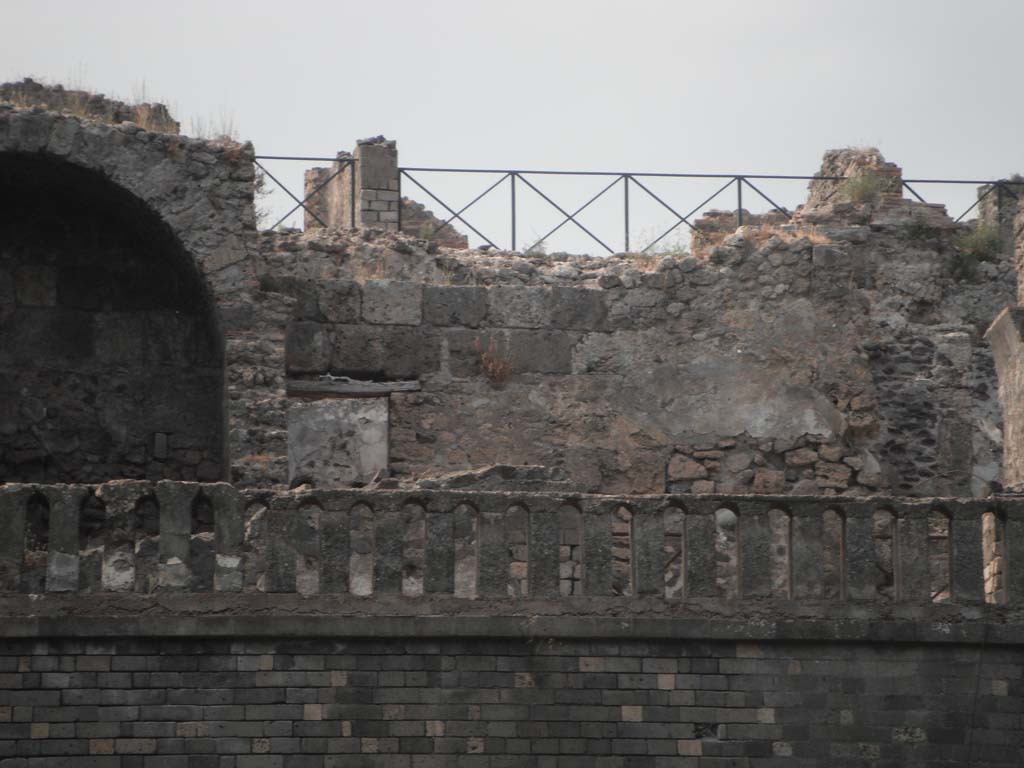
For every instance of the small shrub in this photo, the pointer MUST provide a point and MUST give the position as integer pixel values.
(539, 248)
(496, 365)
(676, 245)
(646, 262)
(219, 128)
(979, 243)
(919, 229)
(865, 187)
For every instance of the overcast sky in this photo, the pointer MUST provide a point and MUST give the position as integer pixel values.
(709, 86)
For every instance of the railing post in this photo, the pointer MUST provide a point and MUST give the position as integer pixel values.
(513, 177)
(739, 201)
(625, 187)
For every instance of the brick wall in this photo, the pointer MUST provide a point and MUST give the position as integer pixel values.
(236, 703)
(190, 626)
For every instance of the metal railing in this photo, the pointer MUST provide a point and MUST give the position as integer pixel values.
(343, 163)
(629, 184)
(636, 180)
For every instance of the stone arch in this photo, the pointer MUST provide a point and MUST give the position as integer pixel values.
(124, 251)
(201, 190)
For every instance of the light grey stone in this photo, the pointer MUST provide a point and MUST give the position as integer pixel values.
(390, 302)
(337, 442)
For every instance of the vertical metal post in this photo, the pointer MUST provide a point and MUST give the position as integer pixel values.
(352, 184)
(739, 201)
(513, 177)
(625, 188)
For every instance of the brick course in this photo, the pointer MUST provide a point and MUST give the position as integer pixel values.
(323, 703)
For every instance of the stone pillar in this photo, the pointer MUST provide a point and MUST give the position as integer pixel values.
(1000, 207)
(377, 184)
(1008, 350)
(331, 195)
(375, 188)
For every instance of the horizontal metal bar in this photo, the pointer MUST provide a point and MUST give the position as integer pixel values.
(962, 181)
(316, 159)
(623, 173)
(767, 176)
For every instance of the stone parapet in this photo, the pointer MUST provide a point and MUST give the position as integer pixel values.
(141, 548)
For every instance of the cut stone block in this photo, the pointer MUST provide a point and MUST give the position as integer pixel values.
(334, 443)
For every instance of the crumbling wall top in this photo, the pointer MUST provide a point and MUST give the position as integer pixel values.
(93, 106)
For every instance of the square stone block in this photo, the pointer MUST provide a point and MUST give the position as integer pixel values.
(334, 442)
(392, 302)
(464, 305)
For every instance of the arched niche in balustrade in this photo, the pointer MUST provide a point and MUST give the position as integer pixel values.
(517, 538)
(761, 566)
(622, 561)
(466, 550)
(92, 525)
(305, 539)
(255, 518)
(884, 536)
(994, 555)
(361, 550)
(833, 554)
(37, 543)
(414, 547)
(202, 555)
(570, 550)
(451, 550)
(780, 526)
(146, 544)
(674, 522)
(727, 550)
(939, 554)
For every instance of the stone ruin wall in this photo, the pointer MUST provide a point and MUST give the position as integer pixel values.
(837, 353)
(92, 106)
(193, 625)
(374, 166)
(840, 353)
(109, 367)
(200, 195)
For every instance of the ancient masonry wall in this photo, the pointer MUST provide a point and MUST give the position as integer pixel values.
(839, 353)
(370, 176)
(110, 364)
(202, 193)
(94, 106)
(191, 625)
(374, 165)
(415, 703)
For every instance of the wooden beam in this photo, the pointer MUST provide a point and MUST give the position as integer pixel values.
(345, 387)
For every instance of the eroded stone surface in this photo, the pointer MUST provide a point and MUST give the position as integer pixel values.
(337, 442)
(839, 352)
